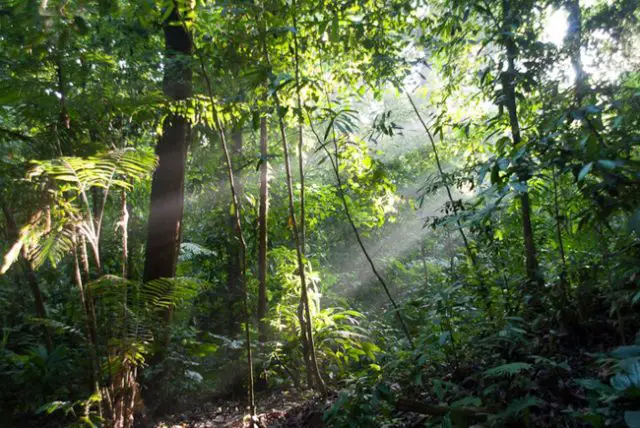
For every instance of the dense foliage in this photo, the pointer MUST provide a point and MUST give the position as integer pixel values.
(427, 213)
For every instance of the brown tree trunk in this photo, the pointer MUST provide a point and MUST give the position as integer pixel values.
(167, 187)
(508, 89)
(263, 217)
(234, 264)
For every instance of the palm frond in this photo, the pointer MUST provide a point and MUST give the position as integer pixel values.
(169, 292)
(117, 168)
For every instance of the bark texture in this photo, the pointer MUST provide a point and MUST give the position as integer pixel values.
(167, 188)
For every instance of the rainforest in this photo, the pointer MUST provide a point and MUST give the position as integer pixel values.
(319, 213)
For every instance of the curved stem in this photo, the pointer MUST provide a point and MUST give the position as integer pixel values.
(336, 169)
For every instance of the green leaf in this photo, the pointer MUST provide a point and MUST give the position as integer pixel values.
(334, 34)
(507, 369)
(622, 352)
(584, 171)
(495, 174)
(592, 109)
(608, 164)
(51, 407)
(467, 402)
(518, 406)
(632, 418)
(594, 385)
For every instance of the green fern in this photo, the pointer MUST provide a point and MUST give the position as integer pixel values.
(509, 369)
(191, 250)
(66, 180)
(517, 407)
(116, 168)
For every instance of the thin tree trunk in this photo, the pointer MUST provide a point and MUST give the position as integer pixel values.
(89, 323)
(556, 207)
(304, 296)
(470, 252)
(64, 119)
(573, 40)
(508, 89)
(425, 268)
(84, 259)
(484, 290)
(263, 217)
(234, 264)
(167, 187)
(242, 242)
(335, 165)
(124, 224)
(283, 134)
(125, 392)
(304, 328)
(30, 275)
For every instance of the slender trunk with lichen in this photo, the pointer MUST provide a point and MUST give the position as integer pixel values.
(234, 264)
(263, 217)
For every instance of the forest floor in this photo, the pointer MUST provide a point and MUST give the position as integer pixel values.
(282, 409)
(275, 410)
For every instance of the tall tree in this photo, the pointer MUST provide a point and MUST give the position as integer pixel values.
(234, 264)
(508, 81)
(573, 39)
(263, 218)
(167, 188)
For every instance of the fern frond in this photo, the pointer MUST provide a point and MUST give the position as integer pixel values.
(52, 246)
(191, 250)
(507, 369)
(168, 292)
(114, 168)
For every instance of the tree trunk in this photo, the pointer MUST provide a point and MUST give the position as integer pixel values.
(556, 208)
(30, 275)
(292, 219)
(263, 217)
(234, 264)
(167, 187)
(573, 40)
(300, 232)
(243, 245)
(508, 89)
(89, 318)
